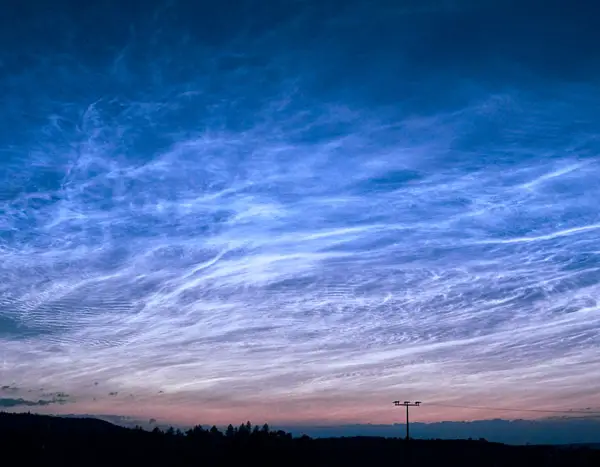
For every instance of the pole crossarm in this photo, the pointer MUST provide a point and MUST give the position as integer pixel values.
(408, 403)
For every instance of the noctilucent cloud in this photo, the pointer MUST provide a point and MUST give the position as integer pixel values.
(299, 211)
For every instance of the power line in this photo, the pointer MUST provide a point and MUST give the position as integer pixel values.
(505, 409)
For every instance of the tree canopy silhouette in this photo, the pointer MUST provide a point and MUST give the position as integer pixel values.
(44, 440)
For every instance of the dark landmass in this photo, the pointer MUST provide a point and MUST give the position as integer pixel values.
(33, 440)
(563, 430)
(568, 431)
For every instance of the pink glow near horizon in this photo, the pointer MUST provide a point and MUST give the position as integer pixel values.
(295, 411)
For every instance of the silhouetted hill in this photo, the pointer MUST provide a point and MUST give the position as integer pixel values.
(26, 422)
(520, 432)
(53, 441)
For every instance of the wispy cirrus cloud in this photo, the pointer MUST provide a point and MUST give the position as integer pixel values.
(219, 232)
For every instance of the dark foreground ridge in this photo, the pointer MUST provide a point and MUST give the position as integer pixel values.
(53, 441)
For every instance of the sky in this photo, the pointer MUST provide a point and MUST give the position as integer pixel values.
(298, 212)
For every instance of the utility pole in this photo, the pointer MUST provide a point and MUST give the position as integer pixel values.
(407, 404)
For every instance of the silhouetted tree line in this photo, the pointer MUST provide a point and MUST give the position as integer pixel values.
(35, 440)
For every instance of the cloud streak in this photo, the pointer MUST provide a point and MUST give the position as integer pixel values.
(236, 234)
(18, 403)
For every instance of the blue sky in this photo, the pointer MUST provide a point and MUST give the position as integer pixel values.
(299, 211)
